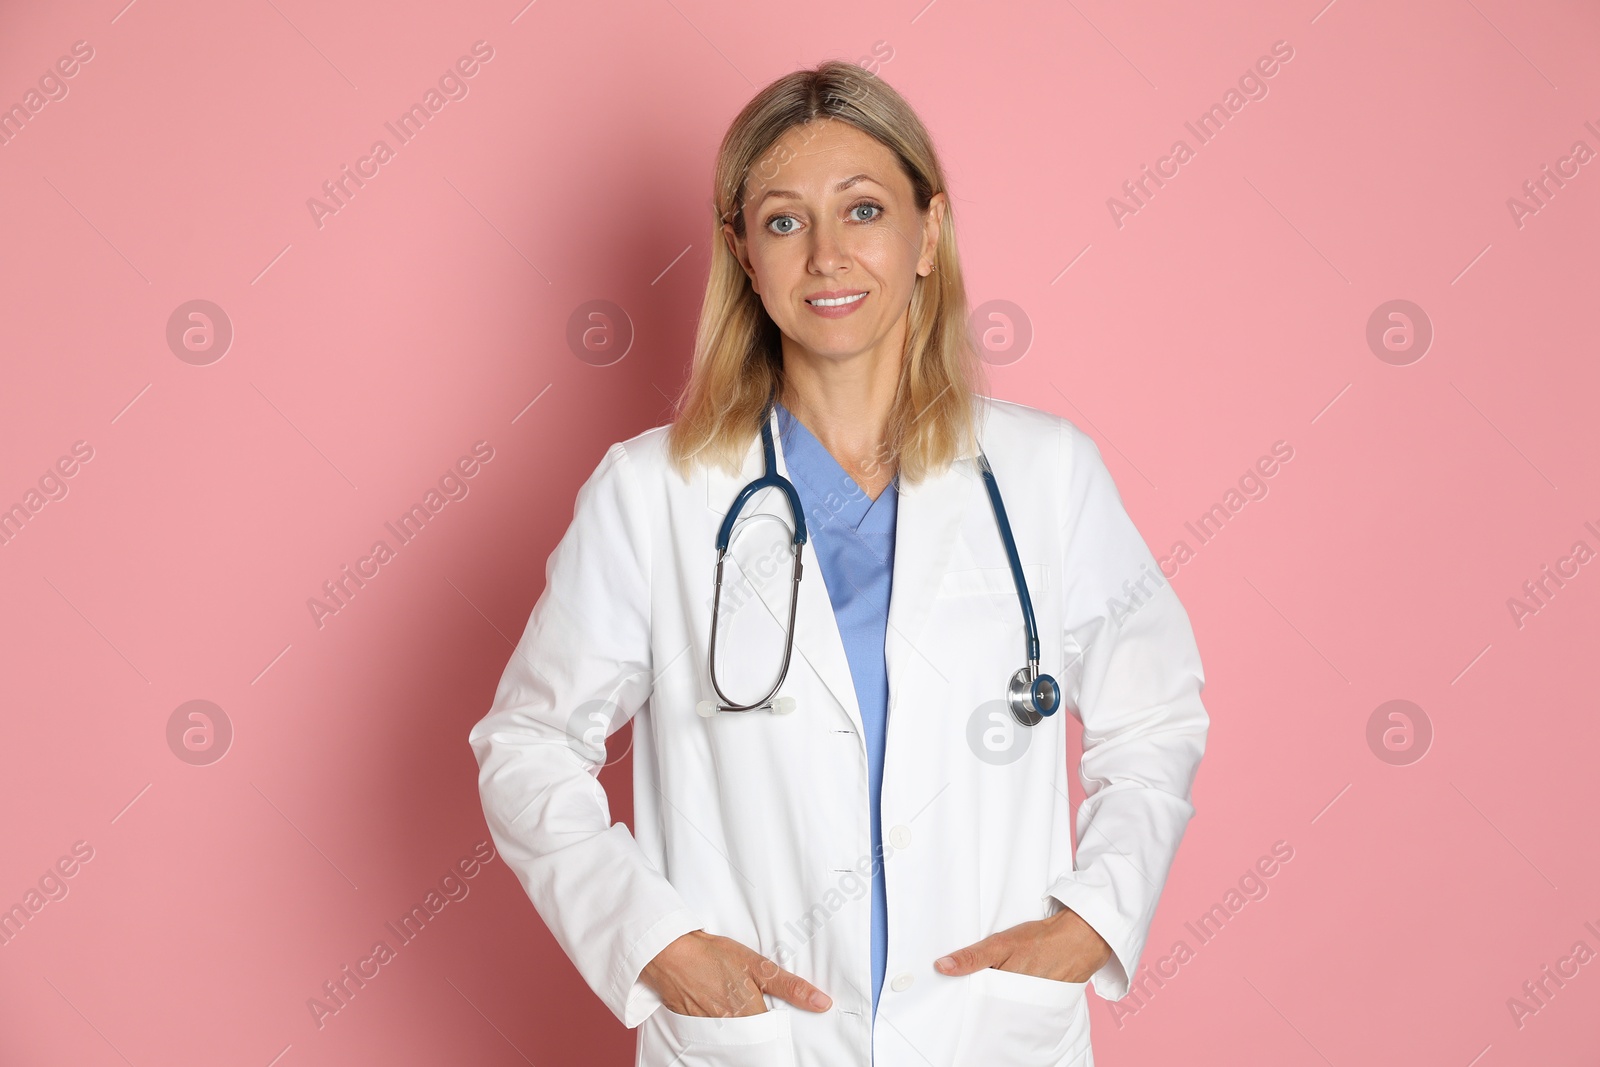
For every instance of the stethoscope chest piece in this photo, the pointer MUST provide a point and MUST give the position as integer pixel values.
(1032, 697)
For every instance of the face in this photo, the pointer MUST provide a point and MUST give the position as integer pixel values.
(834, 242)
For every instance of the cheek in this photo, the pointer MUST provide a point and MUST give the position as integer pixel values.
(774, 286)
(776, 268)
(891, 258)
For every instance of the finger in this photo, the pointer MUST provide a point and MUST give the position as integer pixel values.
(741, 996)
(974, 957)
(790, 987)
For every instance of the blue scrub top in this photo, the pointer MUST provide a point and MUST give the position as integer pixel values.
(853, 537)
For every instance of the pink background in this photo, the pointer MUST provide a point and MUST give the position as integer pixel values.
(369, 353)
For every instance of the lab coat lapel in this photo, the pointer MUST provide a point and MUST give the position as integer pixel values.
(927, 526)
(816, 638)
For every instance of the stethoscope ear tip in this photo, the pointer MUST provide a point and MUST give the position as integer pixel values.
(706, 708)
(783, 705)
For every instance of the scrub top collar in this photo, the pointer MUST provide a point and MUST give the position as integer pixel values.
(829, 484)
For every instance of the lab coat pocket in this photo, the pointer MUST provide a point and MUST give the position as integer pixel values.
(992, 581)
(1030, 1021)
(760, 1040)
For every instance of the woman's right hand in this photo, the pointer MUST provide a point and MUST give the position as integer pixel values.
(707, 975)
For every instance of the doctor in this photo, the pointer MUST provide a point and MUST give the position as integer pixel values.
(875, 864)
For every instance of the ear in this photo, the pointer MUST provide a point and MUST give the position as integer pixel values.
(932, 225)
(736, 245)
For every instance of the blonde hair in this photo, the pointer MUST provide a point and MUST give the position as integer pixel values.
(738, 356)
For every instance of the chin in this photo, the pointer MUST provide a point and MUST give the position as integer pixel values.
(834, 348)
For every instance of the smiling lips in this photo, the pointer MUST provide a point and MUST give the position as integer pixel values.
(836, 304)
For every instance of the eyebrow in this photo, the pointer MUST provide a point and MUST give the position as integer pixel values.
(841, 187)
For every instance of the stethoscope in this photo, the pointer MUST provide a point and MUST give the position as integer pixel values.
(1030, 695)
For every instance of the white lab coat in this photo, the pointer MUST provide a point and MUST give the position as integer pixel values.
(755, 825)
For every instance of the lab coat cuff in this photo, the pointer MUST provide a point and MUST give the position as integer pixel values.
(1091, 905)
(639, 1001)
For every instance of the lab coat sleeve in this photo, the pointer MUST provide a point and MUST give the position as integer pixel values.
(580, 671)
(1133, 677)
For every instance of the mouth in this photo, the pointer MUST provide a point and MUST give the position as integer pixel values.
(840, 299)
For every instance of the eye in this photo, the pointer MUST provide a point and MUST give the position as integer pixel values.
(773, 226)
(868, 204)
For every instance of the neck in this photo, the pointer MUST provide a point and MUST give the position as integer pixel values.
(846, 407)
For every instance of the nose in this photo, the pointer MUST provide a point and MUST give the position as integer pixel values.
(828, 250)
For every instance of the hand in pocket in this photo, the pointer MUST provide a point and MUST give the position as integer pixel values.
(708, 975)
(1062, 947)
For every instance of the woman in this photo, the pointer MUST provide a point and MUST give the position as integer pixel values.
(875, 864)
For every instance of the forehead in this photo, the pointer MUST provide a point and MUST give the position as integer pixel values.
(810, 159)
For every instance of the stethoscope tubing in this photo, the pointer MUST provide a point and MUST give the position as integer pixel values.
(771, 478)
(1017, 576)
(1030, 695)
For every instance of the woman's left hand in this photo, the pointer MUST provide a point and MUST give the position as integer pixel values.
(1062, 947)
